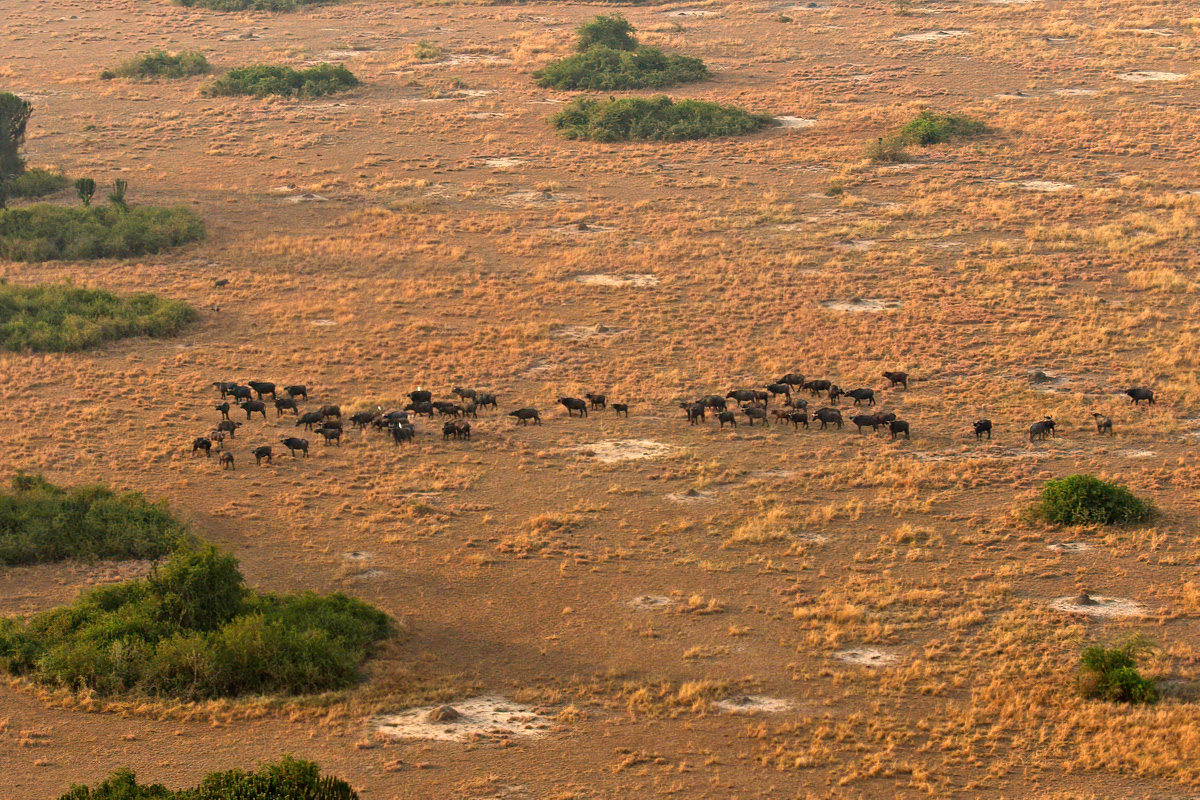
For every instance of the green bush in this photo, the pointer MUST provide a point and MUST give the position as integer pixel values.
(263, 80)
(36, 183)
(427, 51)
(160, 64)
(45, 232)
(1111, 674)
(888, 150)
(655, 118)
(1087, 500)
(602, 68)
(252, 5)
(289, 779)
(52, 318)
(41, 522)
(193, 631)
(613, 32)
(930, 127)
(610, 58)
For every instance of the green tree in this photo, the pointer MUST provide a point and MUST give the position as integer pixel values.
(14, 115)
(609, 31)
(86, 187)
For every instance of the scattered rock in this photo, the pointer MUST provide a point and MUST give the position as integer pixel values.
(1097, 606)
(647, 602)
(444, 714)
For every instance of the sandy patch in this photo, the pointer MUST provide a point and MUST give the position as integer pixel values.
(857, 245)
(614, 450)
(368, 575)
(867, 657)
(690, 496)
(754, 704)
(649, 602)
(1097, 606)
(932, 36)
(638, 280)
(505, 162)
(529, 198)
(1148, 31)
(1076, 92)
(1046, 186)
(324, 323)
(486, 717)
(1069, 547)
(578, 333)
(487, 115)
(1136, 453)
(307, 198)
(795, 122)
(863, 306)
(1150, 76)
(691, 12)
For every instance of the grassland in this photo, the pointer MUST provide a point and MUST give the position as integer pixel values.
(425, 231)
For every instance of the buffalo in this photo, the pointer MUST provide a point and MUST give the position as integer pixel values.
(573, 404)
(1137, 395)
(1041, 429)
(899, 426)
(1103, 424)
(523, 416)
(828, 416)
(897, 378)
(262, 452)
(293, 444)
(981, 427)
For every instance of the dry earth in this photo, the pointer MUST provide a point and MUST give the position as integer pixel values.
(827, 614)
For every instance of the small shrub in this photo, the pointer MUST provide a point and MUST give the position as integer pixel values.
(288, 779)
(930, 127)
(36, 183)
(193, 631)
(426, 51)
(613, 32)
(41, 522)
(1110, 673)
(888, 150)
(263, 80)
(160, 64)
(45, 232)
(57, 319)
(1087, 500)
(252, 5)
(653, 118)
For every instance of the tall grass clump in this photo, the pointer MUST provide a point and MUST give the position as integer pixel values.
(160, 64)
(194, 631)
(287, 779)
(1087, 500)
(45, 232)
(264, 80)
(41, 522)
(52, 318)
(1110, 673)
(609, 57)
(653, 118)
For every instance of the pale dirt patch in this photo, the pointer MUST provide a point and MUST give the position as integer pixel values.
(932, 36)
(308, 198)
(867, 657)
(487, 115)
(1046, 186)
(1150, 76)
(368, 575)
(324, 323)
(612, 451)
(864, 306)
(1136, 453)
(755, 704)
(1069, 547)
(504, 162)
(1076, 92)
(691, 12)
(795, 122)
(1097, 606)
(486, 717)
(527, 199)
(857, 245)
(690, 496)
(578, 333)
(637, 280)
(650, 602)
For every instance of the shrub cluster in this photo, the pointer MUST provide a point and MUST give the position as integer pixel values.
(41, 522)
(1110, 673)
(160, 64)
(610, 58)
(48, 232)
(52, 318)
(193, 631)
(928, 127)
(289, 779)
(655, 118)
(252, 5)
(263, 80)
(1087, 500)
(34, 183)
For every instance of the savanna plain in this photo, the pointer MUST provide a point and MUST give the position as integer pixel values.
(640, 606)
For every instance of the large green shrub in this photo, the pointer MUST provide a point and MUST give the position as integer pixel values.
(609, 58)
(46, 232)
(263, 80)
(654, 118)
(1087, 500)
(159, 64)
(1110, 673)
(41, 522)
(56, 318)
(288, 779)
(930, 127)
(194, 631)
